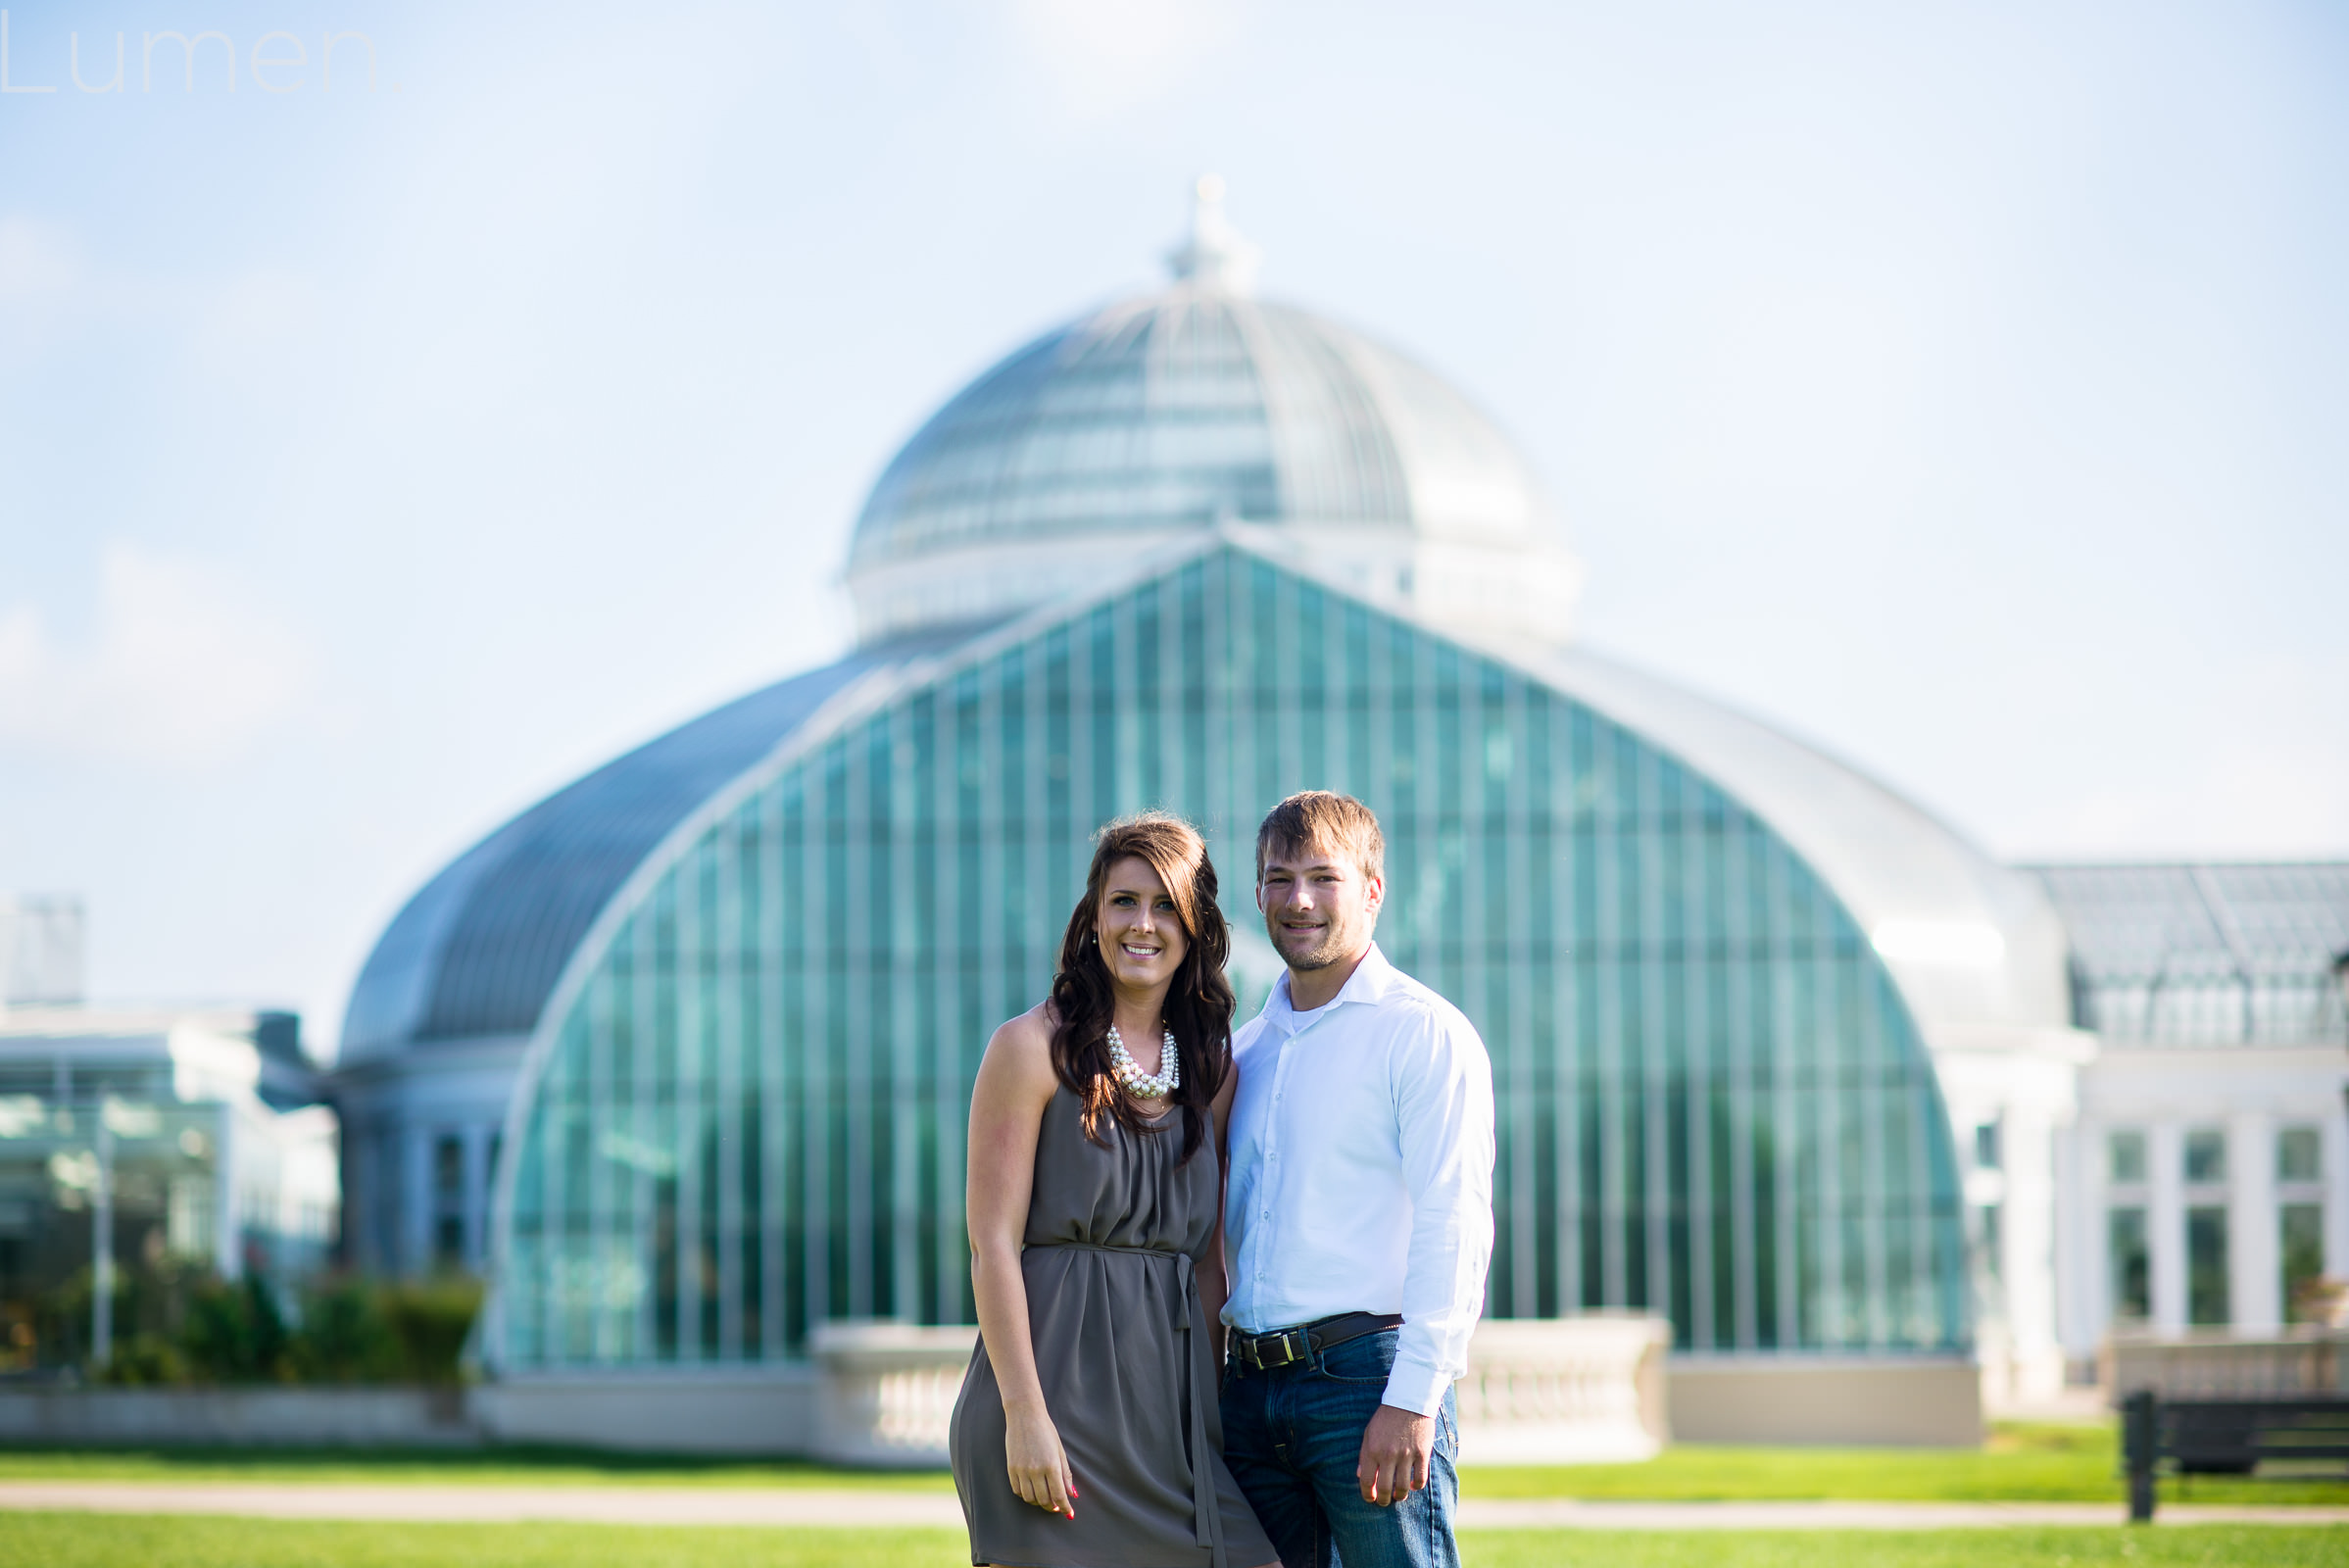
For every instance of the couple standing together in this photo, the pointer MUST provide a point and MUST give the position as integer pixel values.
(1225, 1282)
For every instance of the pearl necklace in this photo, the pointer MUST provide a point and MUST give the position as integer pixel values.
(1142, 1085)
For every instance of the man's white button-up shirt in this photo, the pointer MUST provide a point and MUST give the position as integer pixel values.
(1361, 1171)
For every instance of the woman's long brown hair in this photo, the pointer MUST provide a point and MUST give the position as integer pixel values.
(1198, 1003)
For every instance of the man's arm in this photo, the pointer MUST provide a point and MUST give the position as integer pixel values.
(1443, 1104)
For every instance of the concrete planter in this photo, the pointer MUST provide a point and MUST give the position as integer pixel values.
(889, 1391)
(261, 1417)
(1565, 1390)
(1572, 1391)
(1897, 1401)
(715, 1409)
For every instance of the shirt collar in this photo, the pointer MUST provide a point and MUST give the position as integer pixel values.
(1370, 982)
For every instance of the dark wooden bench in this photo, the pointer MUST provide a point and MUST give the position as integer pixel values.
(2226, 1438)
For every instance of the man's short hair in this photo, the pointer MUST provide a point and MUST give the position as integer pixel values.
(1333, 821)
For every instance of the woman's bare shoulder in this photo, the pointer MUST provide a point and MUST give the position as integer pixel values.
(1024, 1044)
(1031, 1030)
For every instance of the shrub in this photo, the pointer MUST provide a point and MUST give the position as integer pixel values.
(351, 1330)
(344, 1336)
(235, 1333)
(432, 1319)
(148, 1361)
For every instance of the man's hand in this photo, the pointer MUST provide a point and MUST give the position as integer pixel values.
(1396, 1448)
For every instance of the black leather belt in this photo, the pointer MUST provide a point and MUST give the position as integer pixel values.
(1282, 1346)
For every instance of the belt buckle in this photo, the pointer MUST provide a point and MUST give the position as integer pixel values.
(1294, 1345)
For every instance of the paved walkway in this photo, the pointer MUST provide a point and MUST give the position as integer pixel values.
(805, 1506)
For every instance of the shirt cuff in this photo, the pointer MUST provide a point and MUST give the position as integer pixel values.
(1416, 1386)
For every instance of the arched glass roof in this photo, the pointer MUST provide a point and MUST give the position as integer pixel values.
(1972, 942)
(1170, 414)
(1185, 408)
(476, 952)
(2206, 954)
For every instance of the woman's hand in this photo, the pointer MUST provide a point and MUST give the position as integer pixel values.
(1035, 1463)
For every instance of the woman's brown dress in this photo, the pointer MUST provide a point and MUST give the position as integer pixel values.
(1127, 1364)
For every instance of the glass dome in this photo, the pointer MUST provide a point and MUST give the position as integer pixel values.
(1156, 419)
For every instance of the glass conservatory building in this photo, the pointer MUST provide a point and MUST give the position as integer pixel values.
(1197, 550)
(748, 1114)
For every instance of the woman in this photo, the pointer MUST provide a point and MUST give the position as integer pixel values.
(1086, 1433)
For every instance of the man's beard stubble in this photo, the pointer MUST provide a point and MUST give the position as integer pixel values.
(1319, 956)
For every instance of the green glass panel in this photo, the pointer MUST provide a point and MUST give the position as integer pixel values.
(2206, 1267)
(2299, 1155)
(2130, 1260)
(2126, 1154)
(2301, 1252)
(2206, 1156)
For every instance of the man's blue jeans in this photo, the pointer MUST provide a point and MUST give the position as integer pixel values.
(1292, 1436)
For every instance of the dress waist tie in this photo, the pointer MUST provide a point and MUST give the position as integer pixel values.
(1206, 1510)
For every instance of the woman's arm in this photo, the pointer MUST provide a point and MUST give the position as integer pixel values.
(1015, 1086)
(1214, 1282)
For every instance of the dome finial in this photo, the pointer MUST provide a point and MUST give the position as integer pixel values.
(1214, 258)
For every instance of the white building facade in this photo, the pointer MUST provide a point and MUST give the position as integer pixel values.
(2204, 1183)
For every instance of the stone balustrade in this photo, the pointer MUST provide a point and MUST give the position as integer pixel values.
(1583, 1389)
(887, 1392)
(1565, 1390)
(871, 1393)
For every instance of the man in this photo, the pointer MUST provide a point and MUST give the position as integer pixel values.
(1358, 1219)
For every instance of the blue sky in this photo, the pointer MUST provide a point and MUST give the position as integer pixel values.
(1960, 385)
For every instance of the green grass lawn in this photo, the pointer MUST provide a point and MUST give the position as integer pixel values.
(88, 1541)
(2021, 1464)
